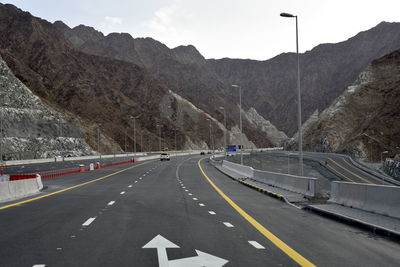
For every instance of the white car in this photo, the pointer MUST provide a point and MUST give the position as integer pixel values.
(164, 156)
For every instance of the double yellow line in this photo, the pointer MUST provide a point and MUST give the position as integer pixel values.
(273, 238)
(70, 188)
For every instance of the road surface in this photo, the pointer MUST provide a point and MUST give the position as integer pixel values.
(160, 213)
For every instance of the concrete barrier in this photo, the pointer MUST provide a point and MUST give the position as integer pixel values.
(298, 184)
(380, 199)
(242, 170)
(12, 190)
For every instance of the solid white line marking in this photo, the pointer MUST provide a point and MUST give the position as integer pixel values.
(201, 204)
(130, 186)
(195, 198)
(123, 192)
(111, 203)
(227, 224)
(211, 212)
(256, 245)
(89, 221)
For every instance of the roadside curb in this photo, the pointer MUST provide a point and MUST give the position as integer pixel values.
(375, 229)
(261, 190)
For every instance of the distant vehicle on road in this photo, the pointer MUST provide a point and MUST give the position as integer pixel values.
(164, 156)
(209, 152)
(202, 153)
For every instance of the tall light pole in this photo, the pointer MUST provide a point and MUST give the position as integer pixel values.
(98, 138)
(134, 131)
(1, 136)
(209, 120)
(222, 108)
(240, 122)
(287, 15)
(141, 141)
(159, 136)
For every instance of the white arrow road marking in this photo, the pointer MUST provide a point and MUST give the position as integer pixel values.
(89, 221)
(111, 203)
(201, 260)
(161, 244)
(256, 245)
(227, 224)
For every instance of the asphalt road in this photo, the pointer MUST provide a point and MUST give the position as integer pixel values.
(106, 217)
(340, 166)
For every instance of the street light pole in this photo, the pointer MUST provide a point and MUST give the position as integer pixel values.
(240, 122)
(175, 140)
(300, 140)
(1, 136)
(159, 135)
(134, 131)
(210, 133)
(98, 139)
(222, 108)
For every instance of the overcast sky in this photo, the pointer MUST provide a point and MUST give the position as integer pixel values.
(223, 28)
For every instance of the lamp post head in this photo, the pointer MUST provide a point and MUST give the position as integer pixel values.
(287, 15)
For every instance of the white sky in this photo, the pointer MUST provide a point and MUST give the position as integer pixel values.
(223, 28)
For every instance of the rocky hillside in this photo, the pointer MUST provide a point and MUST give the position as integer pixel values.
(365, 120)
(268, 86)
(31, 129)
(102, 93)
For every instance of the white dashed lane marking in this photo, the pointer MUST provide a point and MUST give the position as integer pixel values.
(39, 265)
(89, 221)
(256, 245)
(227, 224)
(123, 192)
(211, 212)
(201, 204)
(130, 186)
(195, 198)
(111, 203)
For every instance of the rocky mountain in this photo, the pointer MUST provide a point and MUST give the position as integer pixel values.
(101, 93)
(365, 120)
(31, 129)
(268, 86)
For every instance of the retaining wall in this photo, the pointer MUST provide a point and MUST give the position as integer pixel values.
(380, 199)
(298, 184)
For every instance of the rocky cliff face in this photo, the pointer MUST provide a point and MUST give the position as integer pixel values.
(31, 129)
(365, 120)
(102, 92)
(182, 69)
(270, 86)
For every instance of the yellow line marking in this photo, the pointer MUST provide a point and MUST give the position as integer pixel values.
(344, 168)
(339, 173)
(69, 188)
(370, 175)
(273, 238)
